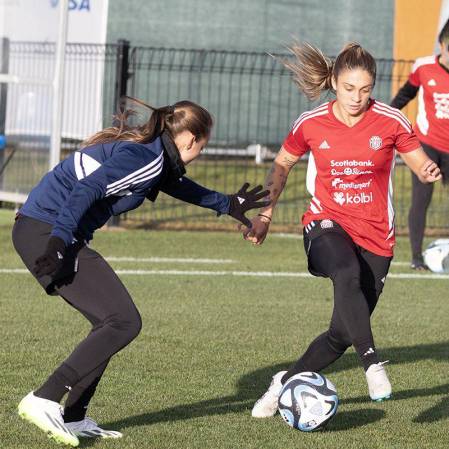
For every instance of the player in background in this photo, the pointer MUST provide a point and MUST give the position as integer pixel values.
(114, 172)
(348, 227)
(430, 80)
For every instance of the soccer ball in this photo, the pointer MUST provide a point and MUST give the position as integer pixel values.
(436, 256)
(308, 401)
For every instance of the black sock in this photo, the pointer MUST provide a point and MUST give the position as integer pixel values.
(369, 357)
(78, 400)
(58, 384)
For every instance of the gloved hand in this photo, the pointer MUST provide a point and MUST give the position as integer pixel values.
(243, 201)
(52, 260)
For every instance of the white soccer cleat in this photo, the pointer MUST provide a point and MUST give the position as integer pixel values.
(378, 384)
(88, 428)
(47, 415)
(267, 405)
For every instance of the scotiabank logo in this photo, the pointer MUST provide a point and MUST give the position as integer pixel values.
(351, 163)
(359, 198)
(351, 167)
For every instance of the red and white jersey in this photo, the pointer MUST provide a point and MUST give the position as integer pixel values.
(432, 121)
(350, 170)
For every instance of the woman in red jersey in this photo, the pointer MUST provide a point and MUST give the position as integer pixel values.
(348, 227)
(429, 77)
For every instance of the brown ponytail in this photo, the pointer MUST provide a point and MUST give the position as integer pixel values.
(182, 116)
(313, 71)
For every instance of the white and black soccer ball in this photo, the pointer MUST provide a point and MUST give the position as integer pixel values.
(308, 401)
(436, 256)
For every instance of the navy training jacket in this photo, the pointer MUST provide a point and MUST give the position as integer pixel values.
(82, 192)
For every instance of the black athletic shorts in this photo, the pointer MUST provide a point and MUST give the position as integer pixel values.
(370, 263)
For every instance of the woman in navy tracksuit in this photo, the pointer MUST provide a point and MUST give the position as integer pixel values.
(114, 172)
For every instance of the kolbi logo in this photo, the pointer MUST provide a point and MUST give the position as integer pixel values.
(359, 198)
(375, 143)
(339, 198)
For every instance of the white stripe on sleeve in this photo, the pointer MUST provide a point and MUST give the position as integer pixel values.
(129, 178)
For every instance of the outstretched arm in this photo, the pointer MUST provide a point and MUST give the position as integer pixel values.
(275, 183)
(235, 205)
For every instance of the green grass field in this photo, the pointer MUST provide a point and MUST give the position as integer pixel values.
(210, 344)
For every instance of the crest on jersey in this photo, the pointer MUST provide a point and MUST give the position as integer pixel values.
(375, 142)
(327, 224)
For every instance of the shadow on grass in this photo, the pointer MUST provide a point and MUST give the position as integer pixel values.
(349, 420)
(252, 385)
(436, 413)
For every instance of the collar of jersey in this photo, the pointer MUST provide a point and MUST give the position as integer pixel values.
(175, 163)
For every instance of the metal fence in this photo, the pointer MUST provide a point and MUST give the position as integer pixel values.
(89, 90)
(250, 95)
(254, 102)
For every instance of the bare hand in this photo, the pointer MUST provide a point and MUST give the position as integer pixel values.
(257, 233)
(430, 172)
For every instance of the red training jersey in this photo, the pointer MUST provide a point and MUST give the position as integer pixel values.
(432, 121)
(350, 170)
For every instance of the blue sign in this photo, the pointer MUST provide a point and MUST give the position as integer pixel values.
(77, 5)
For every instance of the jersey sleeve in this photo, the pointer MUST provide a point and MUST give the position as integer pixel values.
(294, 143)
(125, 170)
(405, 139)
(414, 77)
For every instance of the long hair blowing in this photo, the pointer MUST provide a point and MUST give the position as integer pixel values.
(183, 115)
(312, 71)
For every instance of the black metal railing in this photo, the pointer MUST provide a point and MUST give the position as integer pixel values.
(250, 95)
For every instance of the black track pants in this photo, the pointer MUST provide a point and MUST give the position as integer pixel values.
(358, 277)
(96, 292)
(421, 198)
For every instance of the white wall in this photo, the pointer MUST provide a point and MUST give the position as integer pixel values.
(29, 105)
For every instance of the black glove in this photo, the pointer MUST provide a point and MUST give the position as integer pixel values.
(243, 201)
(52, 260)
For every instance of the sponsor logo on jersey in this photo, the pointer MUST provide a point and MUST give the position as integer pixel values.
(350, 171)
(441, 105)
(351, 167)
(352, 163)
(338, 183)
(324, 145)
(359, 198)
(431, 82)
(375, 142)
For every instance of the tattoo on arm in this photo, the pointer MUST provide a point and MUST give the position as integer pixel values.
(288, 162)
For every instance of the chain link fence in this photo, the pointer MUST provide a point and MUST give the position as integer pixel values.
(250, 94)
